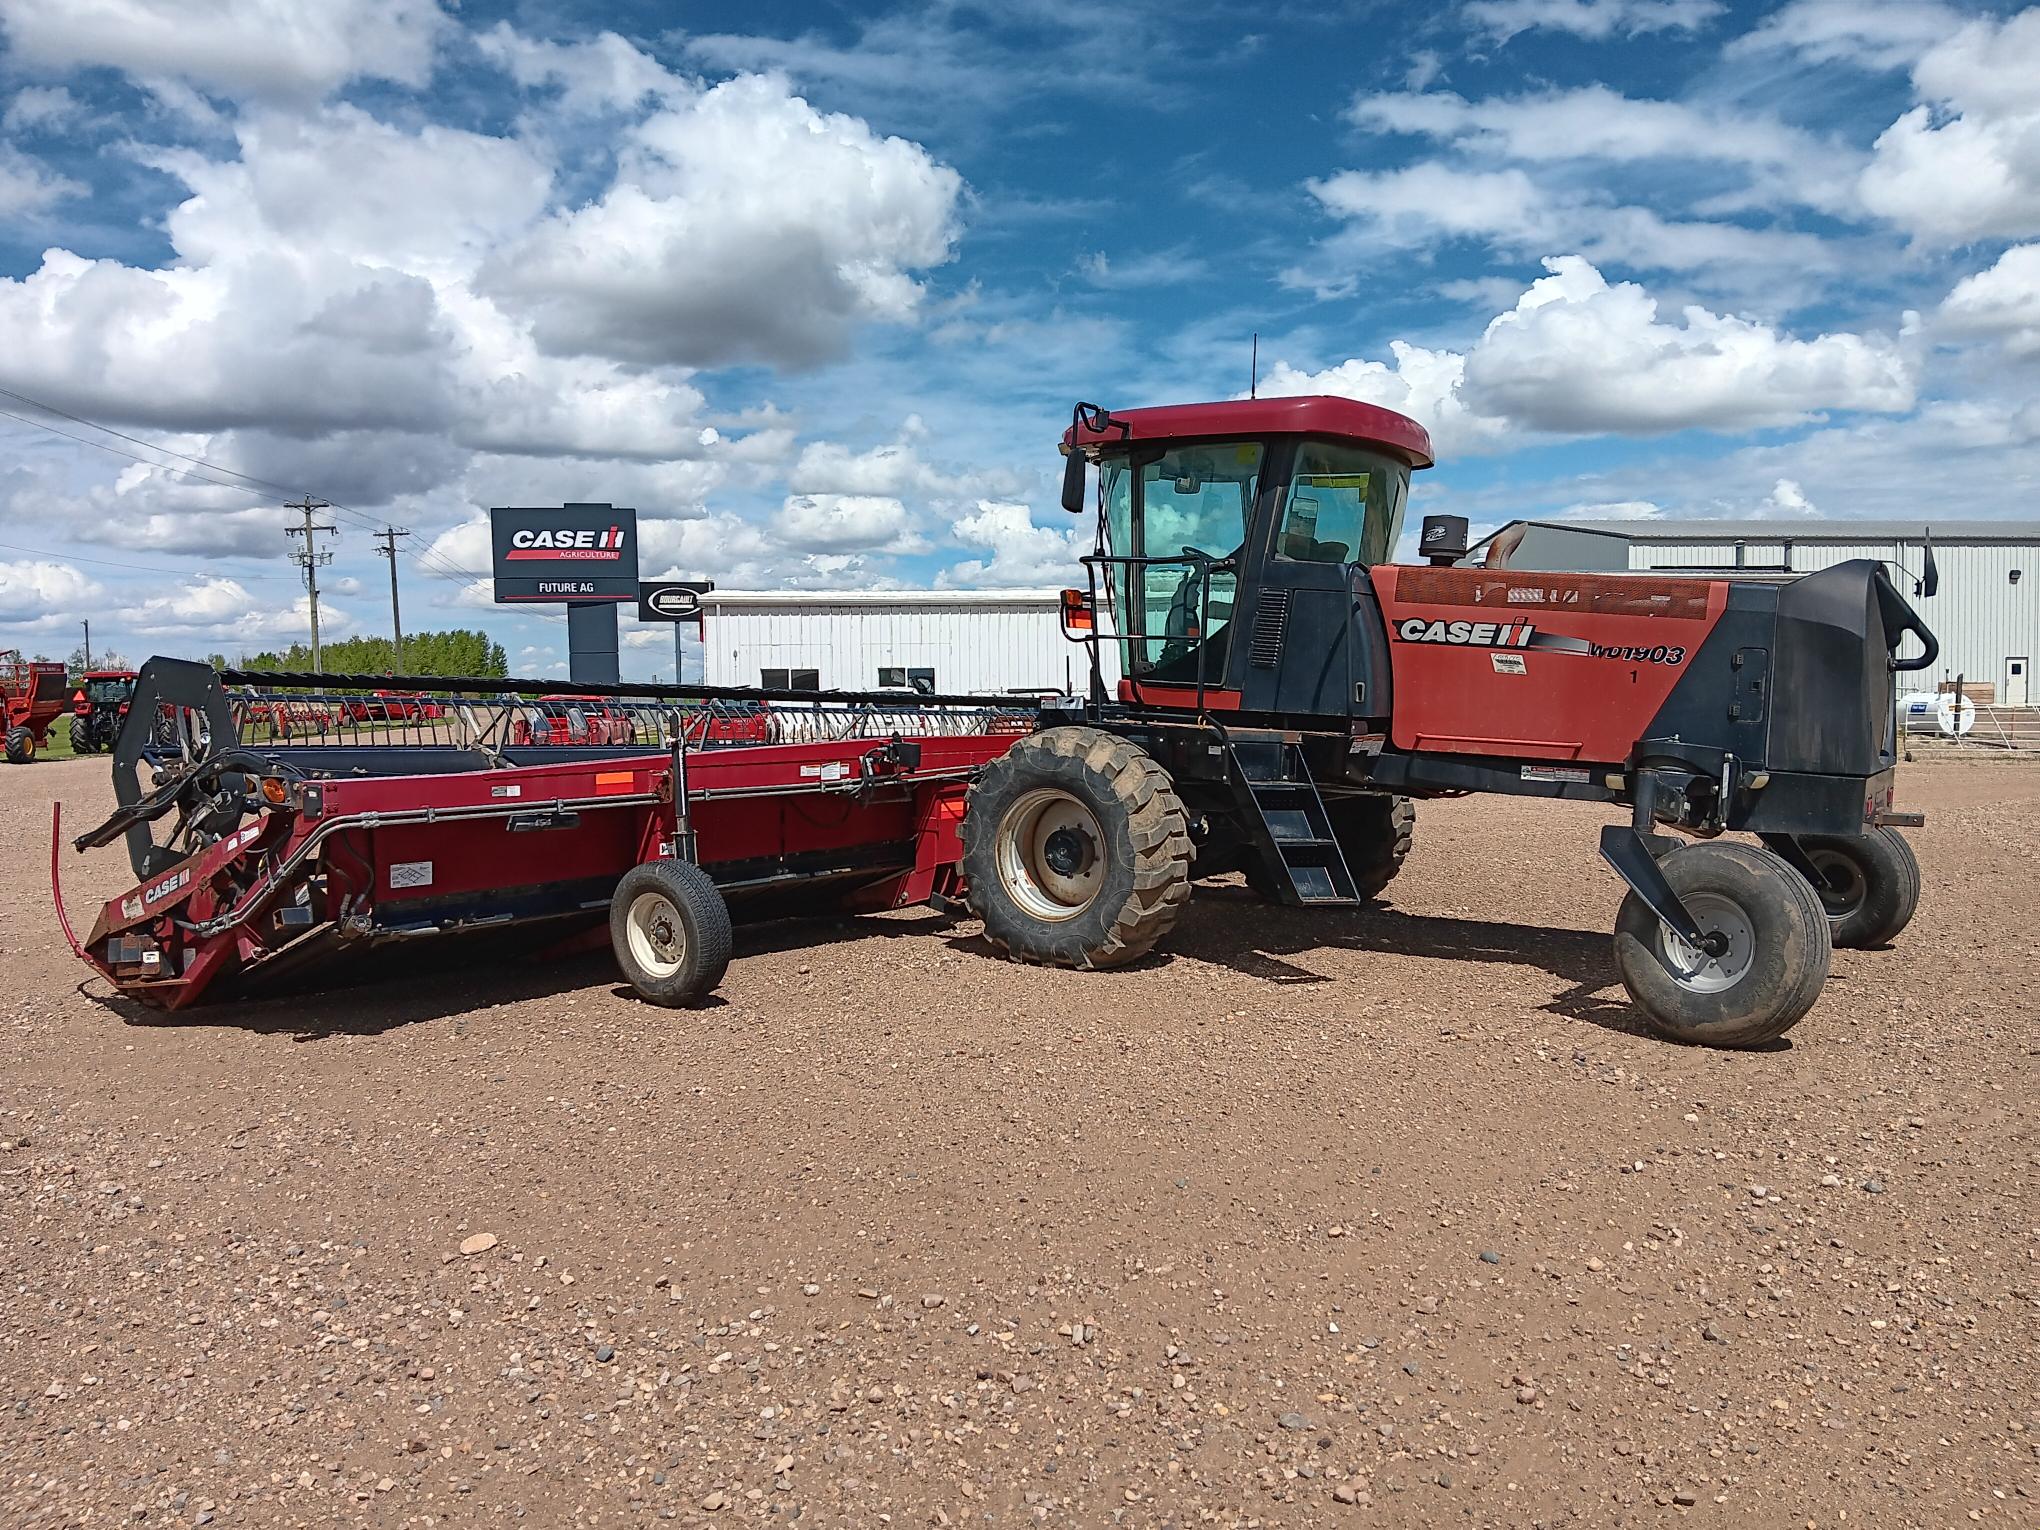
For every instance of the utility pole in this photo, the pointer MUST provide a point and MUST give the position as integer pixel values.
(88, 645)
(311, 560)
(388, 537)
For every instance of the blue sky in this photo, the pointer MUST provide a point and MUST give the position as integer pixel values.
(813, 286)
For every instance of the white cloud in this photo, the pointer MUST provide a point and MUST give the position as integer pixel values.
(1787, 499)
(834, 523)
(1611, 510)
(28, 186)
(744, 226)
(1577, 355)
(2002, 302)
(1594, 19)
(1423, 384)
(1870, 34)
(37, 108)
(605, 73)
(1162, 268)
(826, 467)
(1966, 165)
(1023, 555)
(253, 49)
(38, 594)
(215, 609)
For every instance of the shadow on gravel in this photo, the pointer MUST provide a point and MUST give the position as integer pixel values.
(1234, 928)
(385, 990)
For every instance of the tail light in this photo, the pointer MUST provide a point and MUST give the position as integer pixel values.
(1077, 613)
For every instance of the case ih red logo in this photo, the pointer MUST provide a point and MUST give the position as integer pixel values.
(583, 546)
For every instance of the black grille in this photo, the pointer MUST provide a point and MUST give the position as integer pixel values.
(1271, 618)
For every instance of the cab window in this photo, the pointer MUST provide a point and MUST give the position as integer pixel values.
(1344, 505)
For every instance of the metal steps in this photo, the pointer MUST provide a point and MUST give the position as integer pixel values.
(1286, 822)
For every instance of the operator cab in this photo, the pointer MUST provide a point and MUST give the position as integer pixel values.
(1234, 543)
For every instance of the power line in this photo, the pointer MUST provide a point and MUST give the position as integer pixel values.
(139, 568)
(430, 560)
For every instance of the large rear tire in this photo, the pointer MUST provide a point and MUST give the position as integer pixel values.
(20, 746)
(1872, 884)
(1076, 850)
(671, 931)
(1777, 957)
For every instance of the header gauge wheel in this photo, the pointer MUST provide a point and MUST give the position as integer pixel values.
(671, 931)
(1773, 951)
(1076, 851)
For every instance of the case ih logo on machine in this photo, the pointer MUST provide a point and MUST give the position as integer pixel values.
(1467, 634)
(553, 545)
(1418, 629)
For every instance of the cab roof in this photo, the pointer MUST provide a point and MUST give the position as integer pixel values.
(1340, 419)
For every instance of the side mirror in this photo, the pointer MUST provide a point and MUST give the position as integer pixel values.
(1930, 577)
(1073, 483)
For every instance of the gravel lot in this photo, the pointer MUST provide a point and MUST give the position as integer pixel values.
(1389, 1218)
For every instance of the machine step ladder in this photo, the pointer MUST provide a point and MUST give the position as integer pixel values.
(1288, 825)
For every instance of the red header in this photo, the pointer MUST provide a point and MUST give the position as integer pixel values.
(1343, 419)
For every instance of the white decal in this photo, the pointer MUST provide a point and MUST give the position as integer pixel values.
(411, 874)
(1508, 664)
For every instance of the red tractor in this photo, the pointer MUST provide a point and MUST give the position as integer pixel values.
(98, 707)
(33, 695)
(1287, 695)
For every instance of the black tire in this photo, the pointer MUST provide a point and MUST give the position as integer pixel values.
(671, 931)
(20, 746)
(1769, 978)
(81, 736)
(1076, 850)
(1872, 886)
(1374, 834)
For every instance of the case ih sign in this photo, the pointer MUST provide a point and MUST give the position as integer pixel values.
(565, 552)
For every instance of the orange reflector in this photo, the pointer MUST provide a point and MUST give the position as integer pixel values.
(613, 783)
(1076, 611)
(273, 790)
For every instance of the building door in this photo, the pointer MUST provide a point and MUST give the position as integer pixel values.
(2018, 682)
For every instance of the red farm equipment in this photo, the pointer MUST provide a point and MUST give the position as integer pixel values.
(99, 705)
(1286, 696)
(33, 695)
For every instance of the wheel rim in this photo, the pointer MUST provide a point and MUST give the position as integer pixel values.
(1842, 887)
(658, 941)
(1050, 854)
(1696, 971)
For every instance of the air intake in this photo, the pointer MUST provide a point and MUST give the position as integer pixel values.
(1271, 620)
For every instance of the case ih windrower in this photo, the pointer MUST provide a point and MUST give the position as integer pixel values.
(1286, 695)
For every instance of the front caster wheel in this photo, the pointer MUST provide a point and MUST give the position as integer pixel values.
(671, 931)
(1775, 956)
(1870, 884)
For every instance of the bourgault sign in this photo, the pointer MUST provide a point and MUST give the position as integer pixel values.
(565, 553)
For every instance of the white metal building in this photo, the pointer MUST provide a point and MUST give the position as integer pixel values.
(1987, 614)
(955, 642)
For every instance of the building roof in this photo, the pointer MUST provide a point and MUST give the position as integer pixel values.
(1306, 415)
(1708, 532)
(946, 599)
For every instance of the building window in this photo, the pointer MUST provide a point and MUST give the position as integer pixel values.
(790, 679)
(897, 677)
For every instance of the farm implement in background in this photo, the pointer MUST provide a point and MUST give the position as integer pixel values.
(33, 695)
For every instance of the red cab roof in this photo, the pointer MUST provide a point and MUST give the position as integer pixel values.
(1344, 419)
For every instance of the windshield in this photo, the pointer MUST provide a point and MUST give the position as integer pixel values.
(1192, 507)
(104, 692)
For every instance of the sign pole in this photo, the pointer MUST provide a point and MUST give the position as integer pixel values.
(679, 666)
(591, 643)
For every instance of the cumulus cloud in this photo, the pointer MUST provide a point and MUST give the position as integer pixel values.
(32, 590)
(253, 49)
(1593, 19)
(2002, 303)
(38, 108)
(29, 187)
(1870, 34)
(1965, 164)
(848, 523)
(605, 73)
(744, 225)
(216, 609)
(1022, 554)
(1578, 355)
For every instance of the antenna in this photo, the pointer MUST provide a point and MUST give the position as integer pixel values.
(1254, 368)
